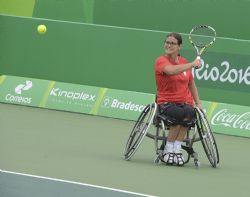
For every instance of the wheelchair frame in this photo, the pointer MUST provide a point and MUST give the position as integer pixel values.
(200, 132)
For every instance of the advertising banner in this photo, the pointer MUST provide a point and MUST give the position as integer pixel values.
(229, 119)
(22, 91)
(223, 71)
(223, 118)
(126, 105)
(73, 97)
(70, 97)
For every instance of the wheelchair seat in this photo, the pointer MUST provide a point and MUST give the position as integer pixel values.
(169, 121)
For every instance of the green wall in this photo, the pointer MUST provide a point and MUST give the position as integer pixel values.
(117, 58)
(17, 7)
(228, 17)
(123, 58)
(68, 10)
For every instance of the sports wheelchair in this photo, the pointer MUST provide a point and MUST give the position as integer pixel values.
(199, 131)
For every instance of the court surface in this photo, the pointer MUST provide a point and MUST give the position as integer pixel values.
(53, 153)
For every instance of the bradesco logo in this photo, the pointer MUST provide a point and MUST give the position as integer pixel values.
(72, 95)
(109, 102)
(19, 90)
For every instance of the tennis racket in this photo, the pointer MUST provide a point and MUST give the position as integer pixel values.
(202, 37)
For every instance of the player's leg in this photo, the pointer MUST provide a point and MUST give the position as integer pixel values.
(178, 157)
(174, 115)
(189, 114)
(169, 148)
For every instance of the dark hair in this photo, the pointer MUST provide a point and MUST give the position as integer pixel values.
(177, 36)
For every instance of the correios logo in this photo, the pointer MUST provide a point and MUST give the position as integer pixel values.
(19, 89)
(22, 87)
(109, 102)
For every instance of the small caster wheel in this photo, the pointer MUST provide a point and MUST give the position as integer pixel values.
(157, 160)
(197, 164)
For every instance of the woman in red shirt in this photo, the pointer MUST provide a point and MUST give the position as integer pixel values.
(176, 91)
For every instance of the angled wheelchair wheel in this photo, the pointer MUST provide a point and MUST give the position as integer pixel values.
(139, 130)
(207, 138)
(159, 141)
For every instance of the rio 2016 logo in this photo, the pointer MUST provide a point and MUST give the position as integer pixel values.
(228, 75)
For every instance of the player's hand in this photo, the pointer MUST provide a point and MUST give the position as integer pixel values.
(199, 105)
(197, 63)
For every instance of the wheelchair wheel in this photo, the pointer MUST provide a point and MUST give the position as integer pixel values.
(159, 141)
(139, 130)
(207, 138)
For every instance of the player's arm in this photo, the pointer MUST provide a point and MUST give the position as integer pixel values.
(194, 92)
(173, 70)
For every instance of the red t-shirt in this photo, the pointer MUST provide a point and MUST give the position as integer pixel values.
(172, 88)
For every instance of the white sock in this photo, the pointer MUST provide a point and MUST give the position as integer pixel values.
(169, 147)
(177, 146)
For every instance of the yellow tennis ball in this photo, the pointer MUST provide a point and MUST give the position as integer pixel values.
(41, 29)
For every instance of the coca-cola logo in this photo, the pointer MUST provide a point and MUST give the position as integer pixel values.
(238, 121)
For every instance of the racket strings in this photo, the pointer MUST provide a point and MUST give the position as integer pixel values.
(202, 36)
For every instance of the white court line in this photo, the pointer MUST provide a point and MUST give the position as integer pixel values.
(82, 23)
(118, 27)
(76, 183)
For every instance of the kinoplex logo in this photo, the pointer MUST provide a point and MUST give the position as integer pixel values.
(19, 90)
(72, 95)
(109, 102)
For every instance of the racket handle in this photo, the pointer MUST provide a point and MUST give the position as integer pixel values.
(198, 58)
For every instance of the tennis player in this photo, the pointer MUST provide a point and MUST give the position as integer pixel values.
(176, 95)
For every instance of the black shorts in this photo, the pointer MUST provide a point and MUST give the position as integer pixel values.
(178, 113)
